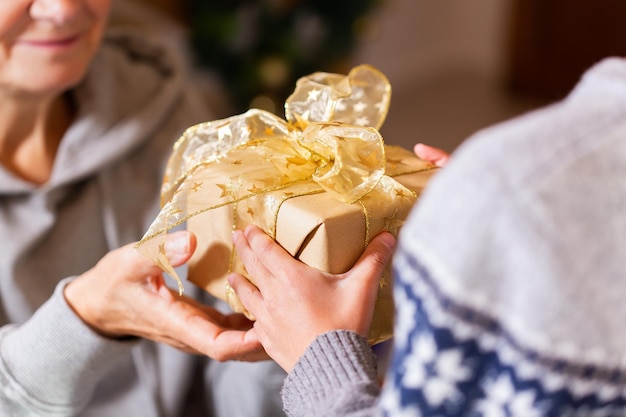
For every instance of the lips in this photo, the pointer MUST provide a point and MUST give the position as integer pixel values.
(53, 42)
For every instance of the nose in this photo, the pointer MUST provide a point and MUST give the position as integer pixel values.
(56, 11)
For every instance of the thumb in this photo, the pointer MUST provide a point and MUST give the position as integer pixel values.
(377, 254)
(179, 246)
(374, 259)
(365, 278)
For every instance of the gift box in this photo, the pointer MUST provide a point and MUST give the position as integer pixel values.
(321, 183)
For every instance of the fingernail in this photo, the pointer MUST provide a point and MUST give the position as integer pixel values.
(248, 230)
(177, 244)
(389, 240)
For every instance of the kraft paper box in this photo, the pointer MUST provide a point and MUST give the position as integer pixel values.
(316, 229)
(322, 183)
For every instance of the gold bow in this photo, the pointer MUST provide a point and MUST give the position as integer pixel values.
(329, 142)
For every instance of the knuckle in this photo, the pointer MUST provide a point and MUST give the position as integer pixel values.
(379, 259)
(220, 356)
(265, 248)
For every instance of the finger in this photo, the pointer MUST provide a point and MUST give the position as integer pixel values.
(222, 348)
(237, 321)
(196, 328)
(250, 296)
(431, 154)
(179, 246)
(191, 328)
(248, 256)
(214, 315)
(238, 345)
(374, 259)
(364, 279)
(271, 259)
(235, 344)
(262, 257)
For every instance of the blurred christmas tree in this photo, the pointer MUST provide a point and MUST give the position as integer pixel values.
(259, 48)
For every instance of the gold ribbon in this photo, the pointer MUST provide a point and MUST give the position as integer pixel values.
(329, 143)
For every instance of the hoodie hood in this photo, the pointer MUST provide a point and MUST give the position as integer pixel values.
(132, 84)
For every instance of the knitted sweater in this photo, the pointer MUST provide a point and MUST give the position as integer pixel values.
(509, 278)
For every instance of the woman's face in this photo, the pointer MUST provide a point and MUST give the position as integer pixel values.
(46, 45)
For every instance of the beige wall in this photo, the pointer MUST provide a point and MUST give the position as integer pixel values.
(445, 61)
(419, 39)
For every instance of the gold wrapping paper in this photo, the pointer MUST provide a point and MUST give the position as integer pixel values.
(322, 183)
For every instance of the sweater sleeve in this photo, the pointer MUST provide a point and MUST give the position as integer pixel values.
(50, 365)
(335, 377)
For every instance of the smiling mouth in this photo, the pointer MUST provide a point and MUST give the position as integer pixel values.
(52, 43)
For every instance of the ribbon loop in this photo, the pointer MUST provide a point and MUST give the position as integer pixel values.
(329, 143)
(354, 158)
(361, 98)
(206, 143)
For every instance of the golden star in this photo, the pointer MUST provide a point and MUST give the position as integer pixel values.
(370, 160)
(174, 211)
(411, 194)
(382, 105)
(296, 160)
(383, 283)
(225, 190)
(313, 94)
(302, 121)
(392, 223)
(360, 106)
(362, 121)
(285, 180)
(394, 162)
(255, 189)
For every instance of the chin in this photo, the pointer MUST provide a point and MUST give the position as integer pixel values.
(53, 82)
(42, 73)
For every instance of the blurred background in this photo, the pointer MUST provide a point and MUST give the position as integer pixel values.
(455, 66)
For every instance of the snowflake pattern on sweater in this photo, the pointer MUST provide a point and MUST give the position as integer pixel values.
(451, 360)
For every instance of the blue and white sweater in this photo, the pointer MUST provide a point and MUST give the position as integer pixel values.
(510, 278)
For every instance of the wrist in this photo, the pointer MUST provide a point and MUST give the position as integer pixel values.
(77, 298)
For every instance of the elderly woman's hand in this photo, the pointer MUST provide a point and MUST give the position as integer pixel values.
(125, 294)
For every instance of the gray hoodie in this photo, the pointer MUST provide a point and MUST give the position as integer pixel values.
(103, 193)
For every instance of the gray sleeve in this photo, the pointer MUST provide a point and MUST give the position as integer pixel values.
(335, 377)
(50, 365)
